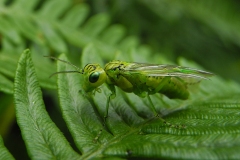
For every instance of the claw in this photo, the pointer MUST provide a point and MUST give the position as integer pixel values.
(83, 93)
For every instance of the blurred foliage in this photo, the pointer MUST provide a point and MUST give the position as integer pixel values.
(204, 31)
(157, 31)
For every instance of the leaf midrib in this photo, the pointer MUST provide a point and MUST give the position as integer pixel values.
(95, 153)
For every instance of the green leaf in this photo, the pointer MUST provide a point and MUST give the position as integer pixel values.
(208, 125)
(8, 64)
(59, 8)
(195, 30)
(4, 153)
(52, 29)
(42, 138)
(54, 39)
(8, 30)
(76, 15)
(100, 20)
(113, 34)
(6, 85)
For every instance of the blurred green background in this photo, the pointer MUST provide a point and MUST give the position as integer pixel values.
(206, 32)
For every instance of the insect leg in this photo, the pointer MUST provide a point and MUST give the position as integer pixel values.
(97, 137)
(83, 93)
(154, 109)
(162, 83)
(152, 106)
(111, 96)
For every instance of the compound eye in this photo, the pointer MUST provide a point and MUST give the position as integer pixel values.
(94, 77)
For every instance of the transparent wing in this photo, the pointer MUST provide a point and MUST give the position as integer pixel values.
(166, 70)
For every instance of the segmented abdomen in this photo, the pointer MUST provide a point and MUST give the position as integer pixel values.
(172, 87)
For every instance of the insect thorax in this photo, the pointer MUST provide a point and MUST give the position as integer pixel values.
(114, 70)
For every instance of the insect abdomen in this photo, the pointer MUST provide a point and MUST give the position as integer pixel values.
(172, 87)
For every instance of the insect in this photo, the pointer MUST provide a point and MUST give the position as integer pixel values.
(140, 78)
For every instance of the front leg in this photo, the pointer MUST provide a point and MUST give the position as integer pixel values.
(83, 93)
(111, 87)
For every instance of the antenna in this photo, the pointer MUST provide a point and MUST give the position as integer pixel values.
(78, 69)
(63, 61)
(65, 72)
